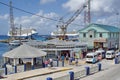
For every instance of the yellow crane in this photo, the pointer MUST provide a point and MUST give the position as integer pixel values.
(64, 26)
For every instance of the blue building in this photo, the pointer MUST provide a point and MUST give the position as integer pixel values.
(100, 36)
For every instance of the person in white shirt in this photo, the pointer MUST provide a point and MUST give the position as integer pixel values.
(51, 62)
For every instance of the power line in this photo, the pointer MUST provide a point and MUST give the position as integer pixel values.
(28, 12)
(38, 15)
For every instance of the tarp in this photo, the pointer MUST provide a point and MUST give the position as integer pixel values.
(24, 51)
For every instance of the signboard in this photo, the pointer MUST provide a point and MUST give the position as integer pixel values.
(100, 40)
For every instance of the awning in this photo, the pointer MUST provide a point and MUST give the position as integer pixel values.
(100, 40)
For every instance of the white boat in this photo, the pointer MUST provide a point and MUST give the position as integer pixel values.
(23, 32)
(73, 35)
(59, 33)
(15, 43)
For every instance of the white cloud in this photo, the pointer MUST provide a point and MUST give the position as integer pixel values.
(112, 20)
(46, 1)
(73, 5)
(42, 25)
(6, 16)
(98, 7)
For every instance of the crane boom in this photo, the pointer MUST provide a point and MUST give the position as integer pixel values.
(75, 15)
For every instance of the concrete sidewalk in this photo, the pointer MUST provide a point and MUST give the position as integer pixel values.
(112, 73)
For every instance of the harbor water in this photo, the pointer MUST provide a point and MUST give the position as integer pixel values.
(4, 47)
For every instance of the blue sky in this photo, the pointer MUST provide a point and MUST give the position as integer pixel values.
(33, 6)
(102, 11)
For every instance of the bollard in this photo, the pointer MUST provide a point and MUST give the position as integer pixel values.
(99, 66)
(87, 70)
(15, 69)
(57, 62)
(32, 67)
(49, 78)
(71, 75)
(5, 70)
(62, 63)
(116, 61)
(24, 67)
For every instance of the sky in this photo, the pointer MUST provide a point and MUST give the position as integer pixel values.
(102, 12)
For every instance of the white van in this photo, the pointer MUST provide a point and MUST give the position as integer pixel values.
(91, 57)
(101, 52)
(110, 54)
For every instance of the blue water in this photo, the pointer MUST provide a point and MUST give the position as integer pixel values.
(4, 47)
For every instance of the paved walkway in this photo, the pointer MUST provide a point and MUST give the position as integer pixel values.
(112, 73)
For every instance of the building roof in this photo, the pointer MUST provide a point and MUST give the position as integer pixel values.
(106, 27)
(24, 51)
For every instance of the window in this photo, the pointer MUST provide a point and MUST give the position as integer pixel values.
(100, 34)
(84, 34)
(90, 36)
(110, 35)
(89, 57)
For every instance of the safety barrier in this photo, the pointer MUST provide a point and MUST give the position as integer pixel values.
(57, 63)
(79, 74)
(65, 77)
(9, 69)
(2, 71)
(93, 69)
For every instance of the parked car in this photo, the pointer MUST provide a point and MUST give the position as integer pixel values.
(110, 54)
(101, 53)
(92, 57)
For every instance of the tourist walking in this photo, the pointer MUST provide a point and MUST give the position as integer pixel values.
(51, 62)
(70, 60)
(76, 61)
(46, 63)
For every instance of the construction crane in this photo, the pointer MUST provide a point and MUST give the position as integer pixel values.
(87, 16)
(64, 26)
(12, 27)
